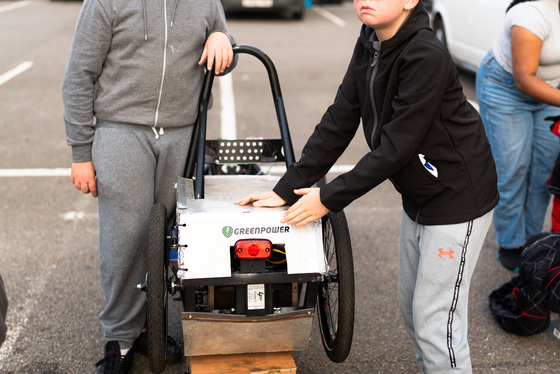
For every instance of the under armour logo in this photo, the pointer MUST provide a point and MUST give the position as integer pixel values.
(442, 253)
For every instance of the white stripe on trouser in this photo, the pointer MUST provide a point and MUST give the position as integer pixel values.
(436, 264)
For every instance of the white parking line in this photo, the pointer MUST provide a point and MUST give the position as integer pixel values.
(15, 71)
(13, 6)
(328, 15)
(228, 131)
(58, 172)
(227, 100)
(65, 172)
(277, 169)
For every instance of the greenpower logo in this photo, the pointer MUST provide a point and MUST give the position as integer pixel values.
(227, 231)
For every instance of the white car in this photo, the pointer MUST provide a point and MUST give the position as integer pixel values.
(468, 28)
(294, 7)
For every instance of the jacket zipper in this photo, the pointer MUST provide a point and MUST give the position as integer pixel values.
(375, 66)
(373, 107)
(156, 117)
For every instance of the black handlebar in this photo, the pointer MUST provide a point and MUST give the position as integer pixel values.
(197, 148)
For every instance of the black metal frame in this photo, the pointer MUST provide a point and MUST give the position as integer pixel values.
(197, 149)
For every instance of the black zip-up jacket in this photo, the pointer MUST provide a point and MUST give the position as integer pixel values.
(406, 92)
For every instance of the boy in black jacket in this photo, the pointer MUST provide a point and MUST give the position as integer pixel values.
(430, 142)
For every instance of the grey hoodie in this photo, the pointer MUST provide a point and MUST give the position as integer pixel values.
(135, 62)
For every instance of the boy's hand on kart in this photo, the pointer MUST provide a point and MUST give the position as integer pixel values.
(307, 209)
(217, 52)
(82, 176)
(269, 199)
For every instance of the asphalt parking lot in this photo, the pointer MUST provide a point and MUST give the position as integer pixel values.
(48, 230)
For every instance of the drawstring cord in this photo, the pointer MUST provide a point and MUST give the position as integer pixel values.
(173, 14)
(145, 20)
(154, 129)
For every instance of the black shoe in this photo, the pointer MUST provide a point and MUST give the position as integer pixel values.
(113, 362)
(510, 258)
(174, 354)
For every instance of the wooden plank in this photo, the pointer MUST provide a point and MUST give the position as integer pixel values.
(248, 363)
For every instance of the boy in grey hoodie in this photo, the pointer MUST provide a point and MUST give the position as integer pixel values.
(130, 96)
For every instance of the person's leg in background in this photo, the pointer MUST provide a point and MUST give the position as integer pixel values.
(508, 121)
(3, 311)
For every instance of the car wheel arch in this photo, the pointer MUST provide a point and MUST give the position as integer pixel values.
(440, 30)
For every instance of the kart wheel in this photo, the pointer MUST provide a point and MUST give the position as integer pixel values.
(156, 289)
(335, 304)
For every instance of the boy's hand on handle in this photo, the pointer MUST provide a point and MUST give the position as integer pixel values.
(82, 176)
(217, 52)
(307, 209)
(269, 199)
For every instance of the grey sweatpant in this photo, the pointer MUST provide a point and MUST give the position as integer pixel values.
(436, 264)
(134, 170)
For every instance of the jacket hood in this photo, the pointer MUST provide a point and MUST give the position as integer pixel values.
(417, 20)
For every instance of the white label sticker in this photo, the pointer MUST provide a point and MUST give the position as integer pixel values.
(255, 296)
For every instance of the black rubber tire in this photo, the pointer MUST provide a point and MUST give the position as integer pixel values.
(156, 289)
(299, 14)
(336, 299)
(439, 31)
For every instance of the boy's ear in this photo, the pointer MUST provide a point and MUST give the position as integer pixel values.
(410, 4)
